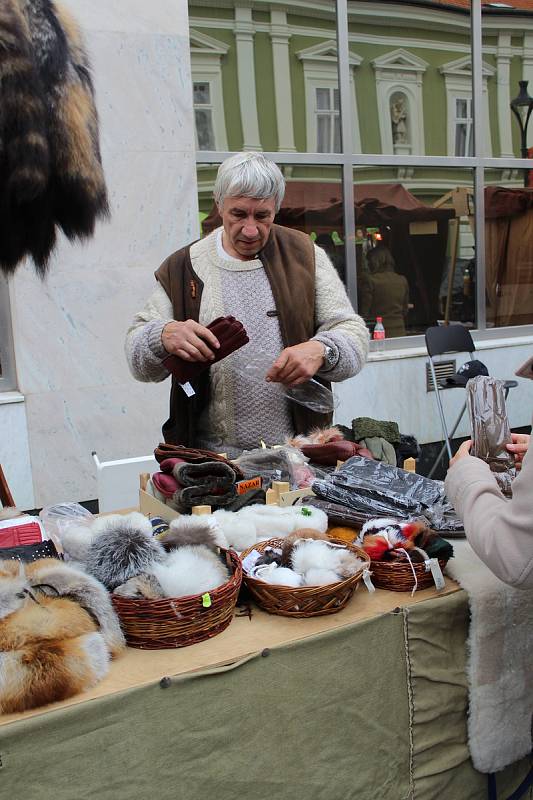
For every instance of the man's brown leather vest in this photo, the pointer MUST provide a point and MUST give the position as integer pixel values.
(289, 261)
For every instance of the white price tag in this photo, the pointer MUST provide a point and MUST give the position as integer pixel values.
(438, 578)
(248, 563)
(187, 388)
(368, 581)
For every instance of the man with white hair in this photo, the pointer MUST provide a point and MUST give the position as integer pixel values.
(286, 293)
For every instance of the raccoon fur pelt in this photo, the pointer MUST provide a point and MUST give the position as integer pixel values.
(50, 166)
(50, 647)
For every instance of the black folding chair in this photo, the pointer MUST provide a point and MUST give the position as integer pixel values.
(443, 339)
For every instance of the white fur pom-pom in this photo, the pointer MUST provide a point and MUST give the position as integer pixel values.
(75, 540)
(312, 553)
(190, 570)
(278, 576)
(320, 577)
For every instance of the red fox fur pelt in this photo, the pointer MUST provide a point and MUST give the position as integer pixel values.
(50, 647)
(50, 166)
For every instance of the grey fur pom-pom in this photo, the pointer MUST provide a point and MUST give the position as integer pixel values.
(123, 547)
(186, 530)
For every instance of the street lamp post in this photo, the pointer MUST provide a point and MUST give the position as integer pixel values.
(522, 106)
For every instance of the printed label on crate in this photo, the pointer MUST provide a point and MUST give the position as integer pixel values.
(246, 486)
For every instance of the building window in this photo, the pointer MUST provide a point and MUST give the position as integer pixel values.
(203, 115)
(328, 122)
(464, 133)
(458, 82)
(207, 56)
(323, 127)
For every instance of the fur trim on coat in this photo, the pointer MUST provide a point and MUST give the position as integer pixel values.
(50, 166)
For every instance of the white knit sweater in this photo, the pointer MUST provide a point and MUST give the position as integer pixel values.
(244, 408)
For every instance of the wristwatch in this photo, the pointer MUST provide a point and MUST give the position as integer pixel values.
(331, 356)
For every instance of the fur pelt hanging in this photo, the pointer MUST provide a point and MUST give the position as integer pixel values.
(50, 166)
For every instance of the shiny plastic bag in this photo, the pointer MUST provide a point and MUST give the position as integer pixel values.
(490, 427)
(379, 489)
(311, 394)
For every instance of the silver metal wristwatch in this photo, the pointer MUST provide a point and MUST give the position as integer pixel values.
(331, 357)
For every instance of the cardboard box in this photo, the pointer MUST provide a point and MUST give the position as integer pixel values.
(152, 507)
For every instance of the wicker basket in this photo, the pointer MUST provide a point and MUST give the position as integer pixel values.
(307, 601)
(397, 576)
(180, 621)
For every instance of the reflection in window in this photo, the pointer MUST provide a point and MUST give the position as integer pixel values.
(311, 204)
(414, 252)
(464, 132)
(509, 255)
(328, 129)
(399, 120)
(203, 116)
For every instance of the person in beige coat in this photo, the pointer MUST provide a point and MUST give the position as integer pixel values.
(500, 530)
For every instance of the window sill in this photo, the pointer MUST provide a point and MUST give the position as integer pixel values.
(11, 397)
(418, 350)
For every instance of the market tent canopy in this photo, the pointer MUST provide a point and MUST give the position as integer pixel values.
(508, 255)
(503, 202)
(312, 206)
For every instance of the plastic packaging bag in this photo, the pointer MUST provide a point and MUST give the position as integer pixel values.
(277, 464)
(311, 394)
(58, 518)
(379, 489)
(491, 431)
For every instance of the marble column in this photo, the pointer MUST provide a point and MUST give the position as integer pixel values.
(69, 331)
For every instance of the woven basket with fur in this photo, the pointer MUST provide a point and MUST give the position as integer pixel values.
(305, 601)
(180, 621)
(397, 576)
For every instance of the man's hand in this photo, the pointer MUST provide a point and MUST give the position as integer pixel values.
(297, 364)
(519, 447)
(189, 340)
(464, 450)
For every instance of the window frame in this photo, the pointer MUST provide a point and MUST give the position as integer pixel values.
(206, 67)
(474, 79)
(321, 71)
(204, 107)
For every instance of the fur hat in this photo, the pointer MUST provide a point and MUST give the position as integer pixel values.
(122, 547)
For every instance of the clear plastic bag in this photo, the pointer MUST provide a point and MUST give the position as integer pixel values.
(56, 519)
(277, 464)
(490, 427)
(311, 394)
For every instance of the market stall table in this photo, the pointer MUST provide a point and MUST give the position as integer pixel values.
(367, 703)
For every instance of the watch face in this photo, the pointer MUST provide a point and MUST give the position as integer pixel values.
(329, 355)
